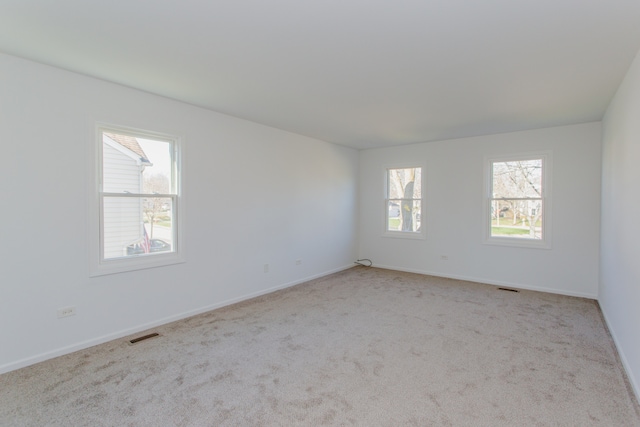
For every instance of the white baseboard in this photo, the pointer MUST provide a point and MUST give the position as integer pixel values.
(635, 387)
(490, 282)
(12, 366)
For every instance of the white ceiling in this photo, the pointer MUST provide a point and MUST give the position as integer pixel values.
(360, 73)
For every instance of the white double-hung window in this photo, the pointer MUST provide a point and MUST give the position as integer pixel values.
(517, 202)
(139, 201)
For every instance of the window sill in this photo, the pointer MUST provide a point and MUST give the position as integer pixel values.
(404, 235)
(122, 265)
(517, 242)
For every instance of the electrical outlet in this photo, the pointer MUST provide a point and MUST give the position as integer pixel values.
(266, 268)
(298, 261)
(66, 312)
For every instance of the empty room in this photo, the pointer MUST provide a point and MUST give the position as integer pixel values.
(320, 213)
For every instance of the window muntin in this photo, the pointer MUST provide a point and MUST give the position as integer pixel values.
(139, 200)
(403, 204)
(517, 200)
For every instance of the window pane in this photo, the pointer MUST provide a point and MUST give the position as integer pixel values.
(404, 215)
(122, 225)
(136, 165)
(158, 217)
(517, 179)
(137, 226)
(404, 183)
(157, 178)
(517, 218)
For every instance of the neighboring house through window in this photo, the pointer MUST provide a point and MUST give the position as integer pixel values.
(123, 165)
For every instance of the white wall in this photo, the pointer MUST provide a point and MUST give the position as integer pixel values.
(255, 195)
(454, 211)
(620, 260)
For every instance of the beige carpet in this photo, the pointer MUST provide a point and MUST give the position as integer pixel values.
(365, 347)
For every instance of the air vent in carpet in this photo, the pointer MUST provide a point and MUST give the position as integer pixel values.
(144, 337)
(508, 290)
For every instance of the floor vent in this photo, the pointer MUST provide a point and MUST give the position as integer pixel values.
(142, 338)
(509, 290)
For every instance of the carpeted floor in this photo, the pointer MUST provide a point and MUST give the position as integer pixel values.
(364, 347)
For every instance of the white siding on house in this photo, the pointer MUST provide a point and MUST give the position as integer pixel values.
(122, 216)
(120, 172)
(122, 224)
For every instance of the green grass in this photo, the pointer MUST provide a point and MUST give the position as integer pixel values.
(509, 222)
(394, 223)
(162, 220)
(508, 231)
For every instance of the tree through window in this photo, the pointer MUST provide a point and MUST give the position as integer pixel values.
(404, 200)
(517, 199)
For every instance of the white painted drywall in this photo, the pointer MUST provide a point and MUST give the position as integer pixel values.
(454, 211)
(620, 254)
(255, 195)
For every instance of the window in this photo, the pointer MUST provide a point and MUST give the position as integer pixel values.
(139, 200)
(517, 203)
(403, 203)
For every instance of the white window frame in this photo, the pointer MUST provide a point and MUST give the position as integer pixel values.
(545, 241)
(398, 233)
(100, 266)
